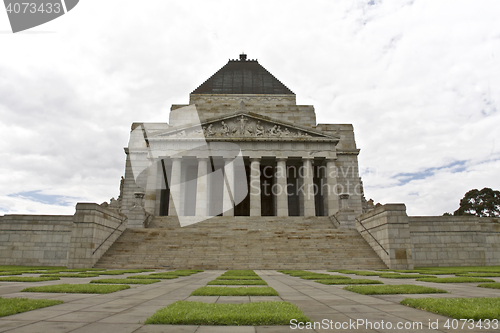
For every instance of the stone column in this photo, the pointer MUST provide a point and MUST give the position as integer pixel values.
(150, 197)
(227, 198)
(175, 187)
(281, 187)
(202, 188)
(307, 173)
(331, 182)
(255, 207)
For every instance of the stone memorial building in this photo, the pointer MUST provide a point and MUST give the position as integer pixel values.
(242, 177)
(287, 165)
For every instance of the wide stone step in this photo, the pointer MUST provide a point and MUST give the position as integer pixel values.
(239, 243)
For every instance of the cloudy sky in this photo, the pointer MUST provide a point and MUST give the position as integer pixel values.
(419, 80)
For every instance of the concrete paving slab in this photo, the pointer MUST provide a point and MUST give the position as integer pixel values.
(107, 328)
(81, 316)
(48, 327)
(167, 329)
(226, 329)
(8, 325)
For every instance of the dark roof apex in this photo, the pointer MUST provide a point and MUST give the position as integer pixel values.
(243, 76)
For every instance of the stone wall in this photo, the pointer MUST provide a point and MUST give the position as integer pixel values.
(35, 240)
(455, 240)
(59, 240)
(430, 241)
(281, 107)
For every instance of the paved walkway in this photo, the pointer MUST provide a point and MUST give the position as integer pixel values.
(126, 311)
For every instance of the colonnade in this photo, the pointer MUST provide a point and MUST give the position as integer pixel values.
(207, 179)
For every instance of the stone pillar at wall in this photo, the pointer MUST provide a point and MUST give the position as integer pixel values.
(137, 213)
(331, 186)
(281, 187)
(307, 172)
(255, 206)
(151, 187)
(202, 188)
(227, 201)
(95, 229)
(174, 207)
(386, 228)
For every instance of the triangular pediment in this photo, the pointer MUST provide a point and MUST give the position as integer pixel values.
(246, 125)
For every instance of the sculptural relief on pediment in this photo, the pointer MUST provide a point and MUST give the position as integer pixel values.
(242, 127)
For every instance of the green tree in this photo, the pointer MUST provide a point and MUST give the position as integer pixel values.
(484, 203)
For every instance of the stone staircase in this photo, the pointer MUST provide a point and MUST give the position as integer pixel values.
(242, 243)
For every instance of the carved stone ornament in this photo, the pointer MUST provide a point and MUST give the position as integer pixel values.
(241, 126)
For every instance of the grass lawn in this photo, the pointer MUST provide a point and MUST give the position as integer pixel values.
(366, 273)
(180, 272)
(238, 282)
(27, 279)
(125, 271)
(238, 278)
(455, 280)
(495, 285)
(349, 281)
(323, 277)
(10, 273)
(150, 276)
(405, 276)
(344, 271)
(10, 306)
(240, 272)
(393, 289)
(458, 308)
(28, 268)
(126, 281)
(76, 289)
(479, 274)
(248, 314)
(79, 275)
(239, 291)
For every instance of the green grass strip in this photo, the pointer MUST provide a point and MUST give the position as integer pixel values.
(458, 308)
(248, 314)
(238, 278)
(27, 279)
(393, 289)
(479, 269)
(80, 275)
(405, 276)
(323, 277)
(126, 281)
(455, 280)
(163, 277)
(28, 268)
(10, 306)
(479, 274)
(344, 271)
(240, 272)
(238, 291)
(367, 273)
(238, 282)
(10, 273)
(125, 271)
(77, 289)
(495, 285)
(351, 281)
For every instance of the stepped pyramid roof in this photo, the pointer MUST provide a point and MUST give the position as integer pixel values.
(243, 76)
